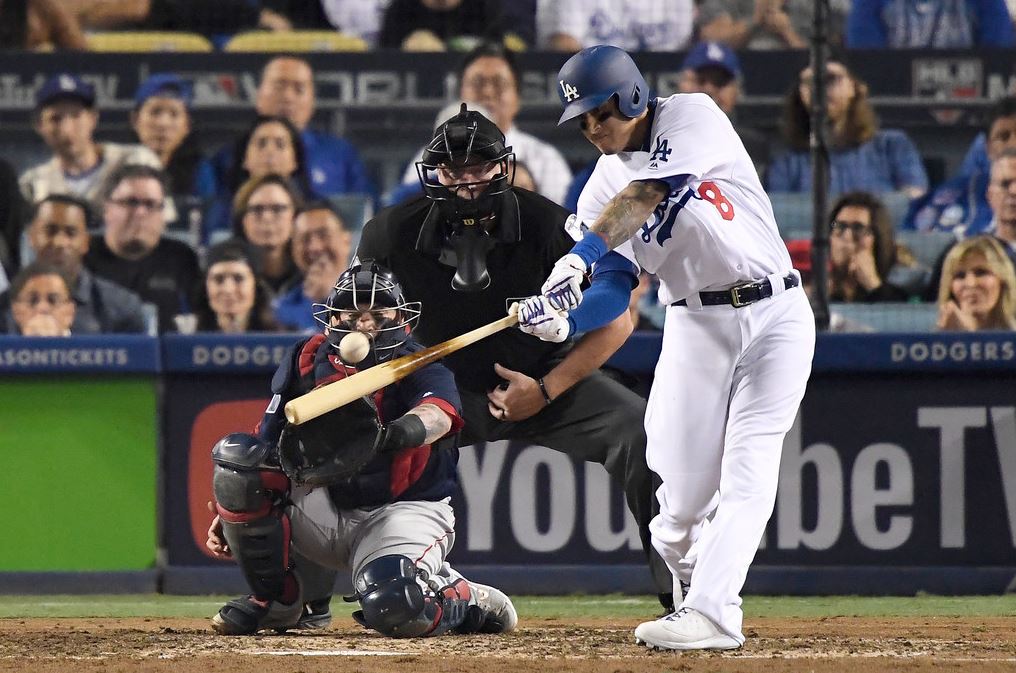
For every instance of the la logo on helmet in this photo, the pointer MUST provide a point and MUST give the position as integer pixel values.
(570, 92)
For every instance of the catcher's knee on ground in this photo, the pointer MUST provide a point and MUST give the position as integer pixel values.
(398, 602)
(250, 493)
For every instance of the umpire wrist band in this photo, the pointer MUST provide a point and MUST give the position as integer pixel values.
(543, 389)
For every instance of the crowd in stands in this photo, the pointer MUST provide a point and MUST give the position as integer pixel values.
(105, 232)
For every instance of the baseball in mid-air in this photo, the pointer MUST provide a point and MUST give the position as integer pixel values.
(354, 347)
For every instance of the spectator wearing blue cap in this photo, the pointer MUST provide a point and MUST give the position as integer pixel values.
(162, 121)
(713, 68)
(66, 118)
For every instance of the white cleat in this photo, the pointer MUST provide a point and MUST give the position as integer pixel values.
(685, 629)
(499, 614)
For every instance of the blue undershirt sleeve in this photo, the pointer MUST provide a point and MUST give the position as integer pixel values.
(607, 296)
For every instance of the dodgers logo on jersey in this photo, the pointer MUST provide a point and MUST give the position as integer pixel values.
(661, 152)
(569, 92)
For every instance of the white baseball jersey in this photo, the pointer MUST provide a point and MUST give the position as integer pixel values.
(713, 232)
(729, 379)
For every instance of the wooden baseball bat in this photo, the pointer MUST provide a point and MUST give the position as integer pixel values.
(334, 395)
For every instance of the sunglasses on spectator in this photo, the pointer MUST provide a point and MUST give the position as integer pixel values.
(262, 209)
(133, 203)
(858, 229)
(34, 299)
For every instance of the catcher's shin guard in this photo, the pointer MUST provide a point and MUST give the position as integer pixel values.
(397, 599)
(250, 494)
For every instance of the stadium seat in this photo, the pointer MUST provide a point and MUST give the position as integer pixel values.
(889, 316)
(897, 203)
(355, 209)
(151, 315)
(27, 255)
(927, 246)
(147, 41)
(793, 211)
(294, 41)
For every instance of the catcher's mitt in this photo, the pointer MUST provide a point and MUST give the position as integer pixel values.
(331, 447)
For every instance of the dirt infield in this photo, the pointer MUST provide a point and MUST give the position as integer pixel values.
(544, 646)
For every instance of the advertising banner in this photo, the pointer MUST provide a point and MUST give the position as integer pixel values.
(913, 466)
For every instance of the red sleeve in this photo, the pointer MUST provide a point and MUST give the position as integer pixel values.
(445, 406)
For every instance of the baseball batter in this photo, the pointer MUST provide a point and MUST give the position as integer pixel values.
(676, 192)
(364, 488)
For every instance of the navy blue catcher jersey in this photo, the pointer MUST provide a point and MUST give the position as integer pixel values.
(418, 473)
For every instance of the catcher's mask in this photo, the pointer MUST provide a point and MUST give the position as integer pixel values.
(363, 288)
(466, 170)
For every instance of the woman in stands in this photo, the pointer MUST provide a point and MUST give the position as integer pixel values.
(862, 251)
(271, 146)
(861, 156)
(231, 298)
(978, 288)
(264, 210)
(41, 303)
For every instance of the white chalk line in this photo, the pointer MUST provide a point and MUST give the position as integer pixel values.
(329, 653)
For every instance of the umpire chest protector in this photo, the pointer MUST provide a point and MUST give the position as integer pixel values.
(529, 238)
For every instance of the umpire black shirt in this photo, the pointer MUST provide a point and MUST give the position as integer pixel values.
(530, 238)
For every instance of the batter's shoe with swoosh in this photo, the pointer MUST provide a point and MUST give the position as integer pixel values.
(499, 614)
(686, 629)
(247, 615)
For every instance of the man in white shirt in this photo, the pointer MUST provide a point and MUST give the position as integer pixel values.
(488, 77)
(66, 117)
(635, 25)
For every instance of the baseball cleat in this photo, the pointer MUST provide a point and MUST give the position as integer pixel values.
(686, 629)
(246, 615)
(316, 615)
(499, 614)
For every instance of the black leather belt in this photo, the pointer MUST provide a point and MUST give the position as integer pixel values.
(742, 295)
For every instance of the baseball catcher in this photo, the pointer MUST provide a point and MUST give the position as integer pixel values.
(364, 488)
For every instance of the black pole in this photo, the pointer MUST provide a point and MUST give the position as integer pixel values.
(818, 142)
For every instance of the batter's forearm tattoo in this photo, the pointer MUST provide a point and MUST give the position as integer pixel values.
(627, 212)
(435, 419)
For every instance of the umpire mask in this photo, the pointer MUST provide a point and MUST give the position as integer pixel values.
(466, 170)
(368, 288)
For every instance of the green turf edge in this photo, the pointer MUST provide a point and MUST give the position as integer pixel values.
(535, 607)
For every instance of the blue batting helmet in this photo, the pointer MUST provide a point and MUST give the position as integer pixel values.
(589, 78)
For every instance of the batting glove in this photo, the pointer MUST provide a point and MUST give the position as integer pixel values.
(564, 284)
(538, 317)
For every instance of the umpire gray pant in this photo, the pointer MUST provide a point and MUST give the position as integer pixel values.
(597, 420)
